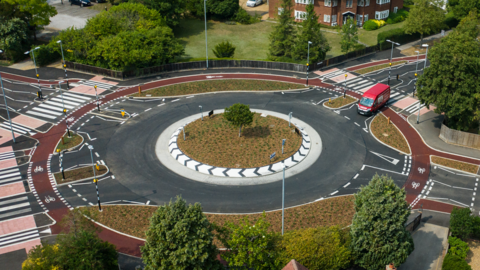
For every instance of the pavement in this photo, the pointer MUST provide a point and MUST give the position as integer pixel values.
(69, 16)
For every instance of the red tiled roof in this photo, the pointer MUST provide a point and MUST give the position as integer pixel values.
(294, 265)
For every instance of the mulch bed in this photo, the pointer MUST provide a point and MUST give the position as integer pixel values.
(454, 164)
(134, 220)
(67, 142)
(389, 134)
(215, 142)
(78, 174)
(191, 88)
(340, 101)
(378, 67)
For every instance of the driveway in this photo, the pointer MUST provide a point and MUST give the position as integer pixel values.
(69, 15)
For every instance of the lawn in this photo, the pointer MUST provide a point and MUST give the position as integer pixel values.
(389, 134)
(79, 174)
(134, 220)
(69, 142)
(340, 101)
(251, 41)
(454, 164)
(370, 37)
(253, 149)
(217, 86)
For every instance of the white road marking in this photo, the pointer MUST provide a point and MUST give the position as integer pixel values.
(394, 161)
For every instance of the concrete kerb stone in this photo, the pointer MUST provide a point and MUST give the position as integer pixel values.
(452, 169)
(163, 154)
(79, 180)
(71, 148)
(356, 99)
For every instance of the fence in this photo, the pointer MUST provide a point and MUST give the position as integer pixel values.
(150, 71)
(412, 225)
(459, 137)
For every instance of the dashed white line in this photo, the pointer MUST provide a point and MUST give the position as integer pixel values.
(175, 100)
(190, 96)
(357, 124)
(347, 117)
(356, 175)
(333, 193)
(148, 109)
(347, 185)
(96, 154)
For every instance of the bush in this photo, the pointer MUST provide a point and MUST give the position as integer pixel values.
(452, 262)
(46, 55)
(370, 25)
(397, 35)
(458, 247)
(461, 223)
(400, 16)
(241, 16)
(224, 50)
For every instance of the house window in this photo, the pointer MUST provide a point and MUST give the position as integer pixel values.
(326, 18)
(280, 11)
(380, 2)
(360, 3)
(334, 20)
(335, 3)
(349, 3)
(395, 9)
(328, 3)
(300, 15)
(379, 15)
(359, 19)
(304, 2)
(366, 17)
(367, 3)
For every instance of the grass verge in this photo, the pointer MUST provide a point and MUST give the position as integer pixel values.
(134, 220)
(253, 149)
(218, 86)
(378, 67)
(340, 101)
(389, 134)
(68, 143)
(370, 37)
(455, 164)
(78, 174)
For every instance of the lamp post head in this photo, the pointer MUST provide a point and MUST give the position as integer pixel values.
(417, 52)
(60, 82)
(1, 51)
(27, 52)
(425, 45)
(200, 106)
(37, 48)
(59, 41)
(309, 42)
(90, 147)
(388, 40)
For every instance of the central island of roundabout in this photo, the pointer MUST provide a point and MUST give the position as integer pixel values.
(329, 154)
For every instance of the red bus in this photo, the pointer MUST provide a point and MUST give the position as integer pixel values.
(373, 99)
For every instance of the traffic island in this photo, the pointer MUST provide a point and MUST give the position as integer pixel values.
(252, 149)
(134, 219)
(387, 133)
(339, 102)
(379, 67)
(455, 164)
(192, 88)
(78, 174)
(67, 143)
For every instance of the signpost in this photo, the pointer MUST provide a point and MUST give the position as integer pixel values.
(210, 113)
(272, 155)
(289, 118)
(283, 144)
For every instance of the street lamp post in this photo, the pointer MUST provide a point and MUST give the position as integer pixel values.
(201, 110)
(96, 97)
(206, 39)
(64, 64)
(426, 56)
(61, 94)
(345, 90)
(283, 196)
(391, 57)
(6, 106)
(289, 118)
(40, 96)
(308, 59)
(416, 68)
(95, 180)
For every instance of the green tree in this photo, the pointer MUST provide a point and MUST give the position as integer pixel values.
(42, 257)
(179, 237)
(282, 38)
(13, 38)
(310, 32)
(349, 36)
(317, 248)
(461, 8)
(224, 49)
(425, 17)
(461, 223)
(378, 229)
(251, 246)
(220, 9)
(37, 12)
(239, 115)
(171, 10)
(451, 80)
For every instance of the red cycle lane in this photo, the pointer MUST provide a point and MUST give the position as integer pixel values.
(31, 80)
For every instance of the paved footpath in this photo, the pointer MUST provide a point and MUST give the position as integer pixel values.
(57, 209)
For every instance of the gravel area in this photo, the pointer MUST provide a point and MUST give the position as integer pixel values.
(473, 257)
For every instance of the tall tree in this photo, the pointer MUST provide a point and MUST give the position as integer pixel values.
(461, 8)
(425, 17)
(451, 80)
(282, 38)
(378, 229)
(349, 34)
(179, 237)
(171, 10)
(238, 115)
(13, 38)
(251, 246)
(310, 32)
(221, 9)
(37, 12)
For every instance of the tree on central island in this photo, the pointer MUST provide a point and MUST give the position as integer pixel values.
(239, 115)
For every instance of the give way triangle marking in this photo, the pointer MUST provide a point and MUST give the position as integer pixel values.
(394, 161)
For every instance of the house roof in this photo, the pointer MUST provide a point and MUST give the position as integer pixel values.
(294, 265)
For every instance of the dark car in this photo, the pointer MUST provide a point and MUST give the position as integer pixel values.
(80, 2)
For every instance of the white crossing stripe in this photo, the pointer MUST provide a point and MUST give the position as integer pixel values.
(76, 96)
(19, 237)
(53, 107)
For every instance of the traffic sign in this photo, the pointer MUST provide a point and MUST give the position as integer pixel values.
(273, 155)
(283, 141)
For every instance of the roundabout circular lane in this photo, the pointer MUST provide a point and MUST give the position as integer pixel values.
(131, 156)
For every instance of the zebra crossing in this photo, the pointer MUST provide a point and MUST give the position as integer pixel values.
(52, 108)
(16, 128)
(333, 74)
(14, 206)
(358, 84)
(10, 175)
(100, 85)
(19, 237)
(413, 108)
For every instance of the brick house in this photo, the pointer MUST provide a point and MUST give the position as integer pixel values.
(336, 12)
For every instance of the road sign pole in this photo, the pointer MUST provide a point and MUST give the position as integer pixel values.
(95, 179)
(289, 118)
(283, 196)
(6, 107)
(183, 130)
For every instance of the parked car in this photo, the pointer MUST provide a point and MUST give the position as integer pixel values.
(253, 3)
(82, 3)
(373, 99)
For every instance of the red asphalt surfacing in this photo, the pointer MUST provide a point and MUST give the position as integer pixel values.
(11, 189)
(129, 245)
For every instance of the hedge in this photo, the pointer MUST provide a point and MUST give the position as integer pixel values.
(452, 262)
(46, 55)
(398, 35)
